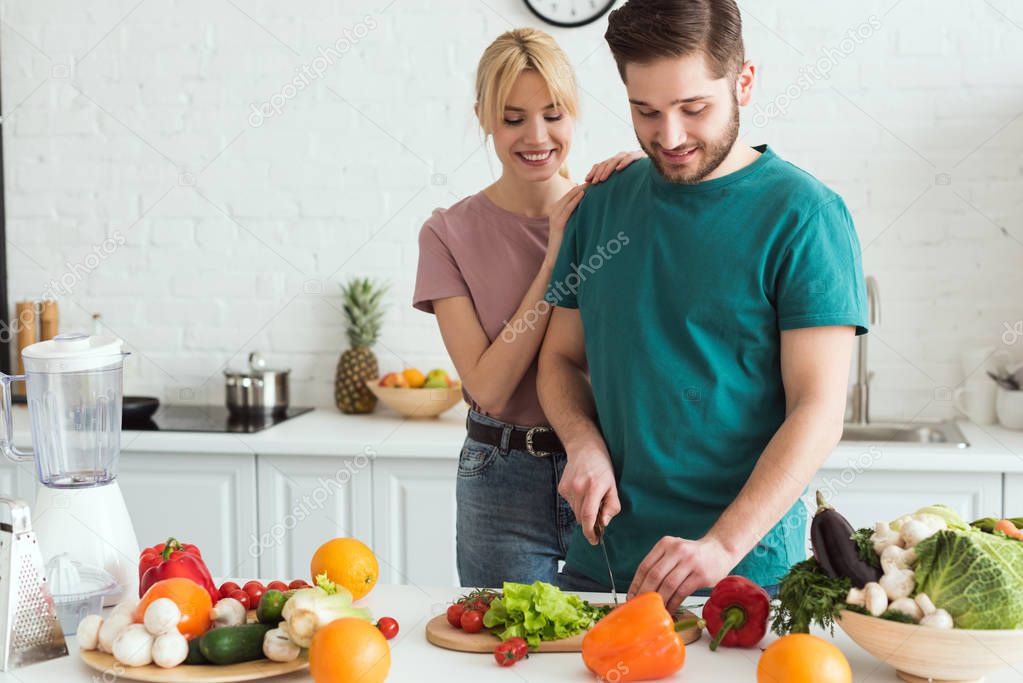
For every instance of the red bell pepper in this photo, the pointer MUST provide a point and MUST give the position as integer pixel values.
(174, 559)
(736, 613)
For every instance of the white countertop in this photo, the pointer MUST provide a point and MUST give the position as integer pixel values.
(414, 660)
(327, 432)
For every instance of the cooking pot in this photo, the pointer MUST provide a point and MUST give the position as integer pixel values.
(257, 391)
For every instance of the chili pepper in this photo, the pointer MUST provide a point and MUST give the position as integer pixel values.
(176, 560)
(637, 641)
(153, 556)
(736, 613)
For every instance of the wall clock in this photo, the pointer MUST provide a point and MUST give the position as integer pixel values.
(569, 13)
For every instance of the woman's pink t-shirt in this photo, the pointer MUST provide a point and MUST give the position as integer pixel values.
(491, 255)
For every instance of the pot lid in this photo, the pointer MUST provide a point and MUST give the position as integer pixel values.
(257, 367)
(73, 352)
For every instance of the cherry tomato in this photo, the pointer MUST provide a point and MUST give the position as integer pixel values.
(227, 588)
(455, 615)
(242, 597)
(388, 626)
(521, 647)
(255, 591)
(472, 621)
(277, 586)
(298, 583)
(505, 654)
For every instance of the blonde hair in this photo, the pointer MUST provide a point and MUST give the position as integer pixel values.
(509, 55)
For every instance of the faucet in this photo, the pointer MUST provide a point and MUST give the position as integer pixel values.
(861, 389)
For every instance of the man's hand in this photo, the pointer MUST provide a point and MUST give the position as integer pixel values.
(588, 481)
(677, 567)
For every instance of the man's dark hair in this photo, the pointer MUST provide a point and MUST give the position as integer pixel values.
(642, 31)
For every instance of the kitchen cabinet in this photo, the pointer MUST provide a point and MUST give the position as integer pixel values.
(206, 499)
(1013, 496)
(865, 497)
(414, 520)
(18, 480)
(303, 501)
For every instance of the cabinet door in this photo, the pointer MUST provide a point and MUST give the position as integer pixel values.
(1013, 503)
(208, 500)
(869, 496)
(414, 520)
(305, 501)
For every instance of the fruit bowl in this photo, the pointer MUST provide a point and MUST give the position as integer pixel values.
(420, 402)
(923, 653)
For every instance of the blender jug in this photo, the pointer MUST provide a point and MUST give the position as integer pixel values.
(73, 388)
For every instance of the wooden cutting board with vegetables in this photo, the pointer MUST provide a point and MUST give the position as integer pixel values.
(478, 632)
(244, 671)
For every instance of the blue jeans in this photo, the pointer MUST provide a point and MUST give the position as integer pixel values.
(511, 523)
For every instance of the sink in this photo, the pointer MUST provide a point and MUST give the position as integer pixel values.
(934, 434)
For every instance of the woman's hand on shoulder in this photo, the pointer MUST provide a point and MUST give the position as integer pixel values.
(560, 214)
(601, 171)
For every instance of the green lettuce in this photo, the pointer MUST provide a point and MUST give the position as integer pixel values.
(539, 612)
(976, 577)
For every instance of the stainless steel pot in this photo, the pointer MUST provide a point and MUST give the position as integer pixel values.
(258, 391)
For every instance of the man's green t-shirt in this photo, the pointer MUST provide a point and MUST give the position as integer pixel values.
(683, 291)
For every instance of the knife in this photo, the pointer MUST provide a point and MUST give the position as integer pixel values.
(598, 529)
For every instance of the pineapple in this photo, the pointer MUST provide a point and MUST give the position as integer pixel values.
(363, 314)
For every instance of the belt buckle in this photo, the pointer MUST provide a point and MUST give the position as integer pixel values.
(529, 442)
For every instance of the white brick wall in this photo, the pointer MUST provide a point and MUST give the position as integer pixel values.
(136, 119)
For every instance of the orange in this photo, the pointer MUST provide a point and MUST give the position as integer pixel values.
(191, 598)
(802, 658)
(414, 377)
(347, 562)
(349, 650)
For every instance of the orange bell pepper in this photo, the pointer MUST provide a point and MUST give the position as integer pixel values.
(637, 641)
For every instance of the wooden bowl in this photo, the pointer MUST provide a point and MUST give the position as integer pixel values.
(417, 402)
(922, 653)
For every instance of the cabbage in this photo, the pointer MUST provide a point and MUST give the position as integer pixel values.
(976, 577)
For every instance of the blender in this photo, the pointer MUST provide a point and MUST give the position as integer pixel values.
(73, 388)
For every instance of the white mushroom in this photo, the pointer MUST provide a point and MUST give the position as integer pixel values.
(907, 607)
(125, 606)
(161, 616)
(111, 628)
(914, 531)
(277, 646)
(924, 602)
(227, 612)
(170, 649)
(939, 618)
(898, 583)
(894, 557)
(88, 631)
(883, 537)
(871, 597)
(134, 647)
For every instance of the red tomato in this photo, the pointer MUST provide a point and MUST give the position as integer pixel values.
(227, 588)
(455, 615)
(388, 626)
(242, 597)
(277, 586)
(505, 654)
(298, 583)
(472, 621)
(255, 591)
(521, 647)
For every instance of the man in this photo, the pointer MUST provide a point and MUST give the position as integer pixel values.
(720, 289)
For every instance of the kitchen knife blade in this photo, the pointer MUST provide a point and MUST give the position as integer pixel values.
(598, 529)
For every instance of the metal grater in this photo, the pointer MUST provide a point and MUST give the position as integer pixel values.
(29, 629)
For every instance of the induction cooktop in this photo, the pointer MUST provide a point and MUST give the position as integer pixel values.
(184, 418)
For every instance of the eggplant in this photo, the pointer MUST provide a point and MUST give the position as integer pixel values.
(834, 548)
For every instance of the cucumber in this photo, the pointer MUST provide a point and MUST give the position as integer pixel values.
(194, 653)
(233, 644)
(270, 607)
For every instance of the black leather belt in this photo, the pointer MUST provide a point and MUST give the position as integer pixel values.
(539, 442)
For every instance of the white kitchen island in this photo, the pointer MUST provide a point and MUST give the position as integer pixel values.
(414, 660)
(260, 504)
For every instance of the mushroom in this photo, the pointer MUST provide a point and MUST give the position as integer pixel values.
(134, 647)
(884, 536)
(88, 631)
(933, 617)
(277, 646)
(898, 583)
(161, 616)
(914, 531)
(871, 597)
(125, 606)
(227, 612)
(898, 558)
(111, 628)
(907, 607)
(169, 649)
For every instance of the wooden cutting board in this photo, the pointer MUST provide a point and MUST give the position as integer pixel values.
(442, 634)
(188, 673)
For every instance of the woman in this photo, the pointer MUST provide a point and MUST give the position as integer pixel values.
(484, 266)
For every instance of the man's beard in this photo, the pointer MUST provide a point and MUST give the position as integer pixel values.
(714, 153)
